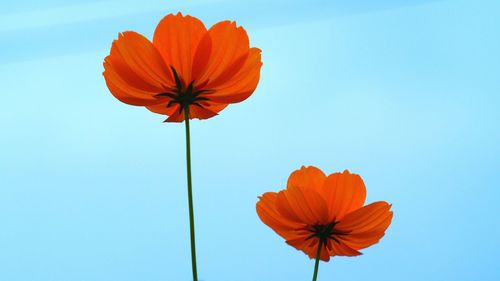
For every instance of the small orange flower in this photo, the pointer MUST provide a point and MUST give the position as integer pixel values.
(319, 211)
(186, 65)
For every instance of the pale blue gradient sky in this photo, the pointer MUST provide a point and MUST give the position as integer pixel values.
(405, 93)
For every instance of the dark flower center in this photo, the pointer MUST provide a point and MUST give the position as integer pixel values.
(325, 232)
(184, 96)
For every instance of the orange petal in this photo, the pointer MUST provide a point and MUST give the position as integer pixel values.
(216, 107)
(341, 249)
(242, 84)
(177, 37)
(312, 251)
(362, 240)
(124, 92)
(206, 111)
(134, 58)
(324, 255)
(364, 218)
(163, 109)
(332, 249)
(300, 243)
(365, 226)
(176, 117)
(266, 209)
(199, 112)
(307, 177)
(344, 193)
(309, 247)
(229, 48)
(134, 70)
(285, 209)
(303, 204)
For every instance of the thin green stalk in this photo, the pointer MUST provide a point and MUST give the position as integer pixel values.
(316, 264)
(190, 195)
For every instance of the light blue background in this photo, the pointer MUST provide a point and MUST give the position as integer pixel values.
(405, 93)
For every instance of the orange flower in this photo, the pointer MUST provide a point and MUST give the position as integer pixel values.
(186, 65)
(319, 211)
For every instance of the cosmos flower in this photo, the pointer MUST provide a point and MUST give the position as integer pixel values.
(324, 216)
(186, 66)
(186, 72)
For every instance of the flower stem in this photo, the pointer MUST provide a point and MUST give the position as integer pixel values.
(316, 264)
(190, 195)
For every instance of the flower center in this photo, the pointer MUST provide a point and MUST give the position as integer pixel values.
(325, 232)
(184, 96)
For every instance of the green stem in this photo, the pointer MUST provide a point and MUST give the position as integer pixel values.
(316, 265)
(190, 195)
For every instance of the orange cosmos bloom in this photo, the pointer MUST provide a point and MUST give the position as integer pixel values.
(186, 65)
(316, 210)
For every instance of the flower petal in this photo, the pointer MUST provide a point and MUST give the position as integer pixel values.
(163, 109)
(307, 177)
(365, 226)
(204, 111)
(134, 70)
(137, 62)
(242, 84)
(341, 249)
(176, 37)
(344, 193)
(309, 247)
(124, 92)
(267, 212)
(362, 240)
(303, 204)
(229, 48)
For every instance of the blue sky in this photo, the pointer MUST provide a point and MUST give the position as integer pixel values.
(404, 93)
